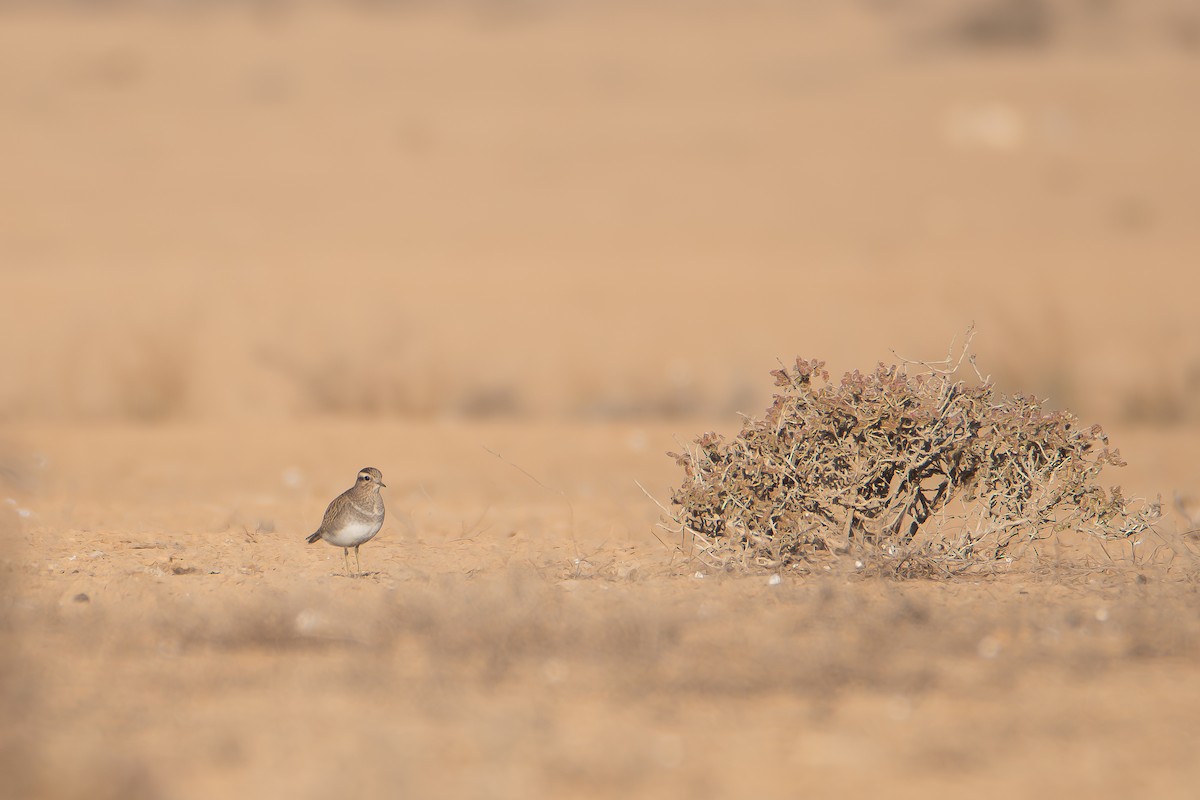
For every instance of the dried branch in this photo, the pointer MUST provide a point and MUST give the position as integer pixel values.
(873, 458)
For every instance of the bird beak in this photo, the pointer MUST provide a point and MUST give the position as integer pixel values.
(382, 484)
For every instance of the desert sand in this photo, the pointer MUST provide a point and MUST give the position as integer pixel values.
(511, 254)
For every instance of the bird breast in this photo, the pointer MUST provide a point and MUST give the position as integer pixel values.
(353, 534)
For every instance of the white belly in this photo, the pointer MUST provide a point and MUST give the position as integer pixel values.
(353, 534)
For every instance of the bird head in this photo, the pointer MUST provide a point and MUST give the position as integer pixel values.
(370, 477)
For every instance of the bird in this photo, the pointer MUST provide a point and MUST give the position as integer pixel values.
(354, 516)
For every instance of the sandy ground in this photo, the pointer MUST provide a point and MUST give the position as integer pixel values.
(510, 254)
(584, 212)
(170, 635)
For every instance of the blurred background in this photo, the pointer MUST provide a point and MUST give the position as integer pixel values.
(510, 252)
(578, 210)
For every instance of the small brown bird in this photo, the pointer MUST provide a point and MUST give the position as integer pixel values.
(354, 516)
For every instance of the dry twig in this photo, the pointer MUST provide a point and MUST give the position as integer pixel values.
(868, 461)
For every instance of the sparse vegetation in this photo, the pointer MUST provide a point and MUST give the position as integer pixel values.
(876, 461)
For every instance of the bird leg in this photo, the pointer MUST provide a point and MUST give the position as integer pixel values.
(357, 564)
(346, 559)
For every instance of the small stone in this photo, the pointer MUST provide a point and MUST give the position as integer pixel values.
(81, 598)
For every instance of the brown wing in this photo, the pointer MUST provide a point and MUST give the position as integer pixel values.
(335, 508)
(330, 513)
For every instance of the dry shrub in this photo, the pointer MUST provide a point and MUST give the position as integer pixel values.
(865, 463)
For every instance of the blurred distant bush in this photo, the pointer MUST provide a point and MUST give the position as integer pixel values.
(1032, 24)
(1004, 22)
(875, 460)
